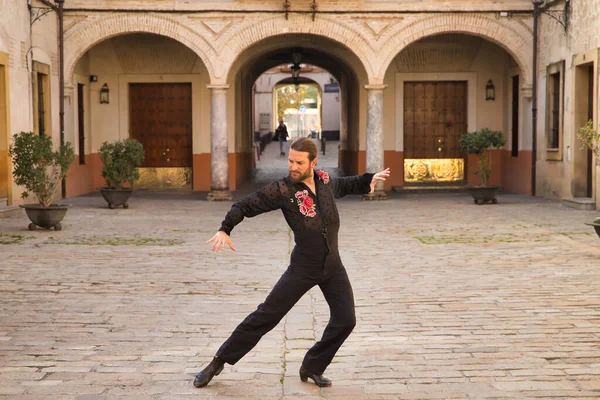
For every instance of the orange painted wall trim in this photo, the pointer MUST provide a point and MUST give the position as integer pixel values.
(395, 161)
(516, 175)
(201, 172)
(497, 157)
(353, 162)
(85, 178)
(513, 174)
(240, 169)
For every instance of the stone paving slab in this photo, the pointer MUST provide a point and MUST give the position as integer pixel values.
(454, 301)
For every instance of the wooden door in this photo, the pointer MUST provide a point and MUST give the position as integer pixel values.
(81, 122)
(590, 158)
(161, 119)
(435, 115)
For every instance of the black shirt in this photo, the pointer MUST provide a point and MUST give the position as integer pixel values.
(313, 219)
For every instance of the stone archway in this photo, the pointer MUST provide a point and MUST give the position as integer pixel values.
(513, 37)
(230, 140)
(313, 120)
(85, 35)
(235, 42)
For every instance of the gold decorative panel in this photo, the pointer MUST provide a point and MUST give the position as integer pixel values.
(164, 178)
(434, 170)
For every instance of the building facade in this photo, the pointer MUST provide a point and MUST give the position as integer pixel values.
(182, 76)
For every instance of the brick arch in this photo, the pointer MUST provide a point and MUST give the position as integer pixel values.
(306, 78)
(236, 42)
(87, 35)
(516, 39)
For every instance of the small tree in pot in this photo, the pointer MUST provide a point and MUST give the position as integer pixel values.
(40, 170)
(121, 160)
(480, 142)
(591, 140)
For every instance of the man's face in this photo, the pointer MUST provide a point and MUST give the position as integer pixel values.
(299, 166)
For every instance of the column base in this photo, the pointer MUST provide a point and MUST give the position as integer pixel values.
(219, 195)
(377, 195)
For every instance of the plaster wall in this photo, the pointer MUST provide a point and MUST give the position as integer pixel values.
(577, 46)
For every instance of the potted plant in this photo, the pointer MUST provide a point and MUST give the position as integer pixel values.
(120, 160)
(591, 140)
(480, 142)
(40, 170)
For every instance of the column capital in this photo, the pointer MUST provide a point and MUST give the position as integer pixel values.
(68, 90)
(526, 91)
(218, 87)
(375, 87)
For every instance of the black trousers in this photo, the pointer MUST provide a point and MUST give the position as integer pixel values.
(292, 285)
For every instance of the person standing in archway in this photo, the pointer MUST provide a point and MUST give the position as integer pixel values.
(306, 198)
(282, 134)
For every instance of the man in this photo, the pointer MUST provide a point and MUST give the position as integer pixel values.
(282, 134)
(306, 198)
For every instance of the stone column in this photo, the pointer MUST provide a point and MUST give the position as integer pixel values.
(219, 161)
(526, 131)
(375, 137)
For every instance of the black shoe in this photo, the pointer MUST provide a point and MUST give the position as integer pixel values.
(318, 379)
(214, 368)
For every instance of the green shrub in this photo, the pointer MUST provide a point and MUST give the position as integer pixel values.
(590, 138)
(121, 159)
(37, 167)
(479, 142)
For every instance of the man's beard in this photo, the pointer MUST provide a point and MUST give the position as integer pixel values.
(300, 178)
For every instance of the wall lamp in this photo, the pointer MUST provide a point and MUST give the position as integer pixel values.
(490, 91)
(104, 94)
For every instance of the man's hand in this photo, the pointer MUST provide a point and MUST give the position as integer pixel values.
(220, 240)
(379, 177)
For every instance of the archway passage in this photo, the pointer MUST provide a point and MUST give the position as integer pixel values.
(157, 95)
(344, 69)
(298, 102)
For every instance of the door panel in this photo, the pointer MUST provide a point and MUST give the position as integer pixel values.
(435, 115)
(161, 119)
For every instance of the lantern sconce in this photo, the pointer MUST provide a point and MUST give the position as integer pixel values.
(104, 94)
(490, 91)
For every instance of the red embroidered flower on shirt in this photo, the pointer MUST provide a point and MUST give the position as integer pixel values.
(305, 203)
(323, 175)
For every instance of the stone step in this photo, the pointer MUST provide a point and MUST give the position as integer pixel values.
(420, 189)
(9, 211)
(3, 201)
(580, 203)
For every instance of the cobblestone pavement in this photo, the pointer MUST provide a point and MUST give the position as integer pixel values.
(454, 301)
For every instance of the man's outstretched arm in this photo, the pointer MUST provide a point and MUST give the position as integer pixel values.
(381, 176)
(360, 184)
(265, 200)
